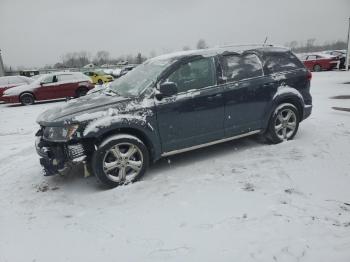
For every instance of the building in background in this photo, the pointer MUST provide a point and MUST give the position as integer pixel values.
(2, 68)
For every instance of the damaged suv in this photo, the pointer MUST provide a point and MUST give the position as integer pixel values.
(176, 103)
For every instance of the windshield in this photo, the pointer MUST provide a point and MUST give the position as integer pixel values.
(40, 78)
(137, 80)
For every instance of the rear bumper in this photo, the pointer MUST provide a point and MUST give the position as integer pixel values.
(307, 111)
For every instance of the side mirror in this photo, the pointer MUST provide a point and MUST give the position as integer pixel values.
(168, 89)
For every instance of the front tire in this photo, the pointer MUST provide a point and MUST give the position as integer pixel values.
(27, 99)
(81, 92)
(284, 123)
(100, 82)
(119, 160)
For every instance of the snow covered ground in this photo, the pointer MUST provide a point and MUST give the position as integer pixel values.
(239, 201)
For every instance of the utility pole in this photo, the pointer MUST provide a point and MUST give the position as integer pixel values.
(348, 49)
(2, 68)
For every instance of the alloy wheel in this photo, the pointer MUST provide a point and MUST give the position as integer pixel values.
(285, 124)
(123, 162)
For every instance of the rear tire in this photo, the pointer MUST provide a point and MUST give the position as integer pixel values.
(26, 99)
(119, 160)
(284, 123)
(317, 68)
(81, 92)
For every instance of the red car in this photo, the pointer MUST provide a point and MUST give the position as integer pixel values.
(7, 82)
(319, 62)
(48, 87)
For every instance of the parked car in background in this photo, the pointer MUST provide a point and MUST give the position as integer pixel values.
(126, 69)
(7, 82)
(176, 103)
(123, 70)
(340, 54)
(29, 73)
(319, 62)
(99, 77)
(48, 87)
(116, 72)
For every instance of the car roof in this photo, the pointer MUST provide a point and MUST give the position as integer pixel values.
(222, 50)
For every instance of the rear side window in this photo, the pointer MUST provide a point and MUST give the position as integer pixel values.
(64, 78)
(311, 57)
(279, 62)
(239, 67)
(81, 77)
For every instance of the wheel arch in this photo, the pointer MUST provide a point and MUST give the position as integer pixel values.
(81, 88)
(148, 137)
(27, 92)
(293, 99)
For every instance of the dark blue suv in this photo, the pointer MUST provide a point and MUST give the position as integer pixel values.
(175, 103)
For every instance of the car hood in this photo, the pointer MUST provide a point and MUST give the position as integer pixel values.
(13, 91)
(83, 109)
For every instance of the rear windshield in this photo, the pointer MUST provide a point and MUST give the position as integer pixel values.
(279, 62)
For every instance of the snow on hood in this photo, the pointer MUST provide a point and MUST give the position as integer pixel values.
(75, 107)
(14, 91)
(94, 106)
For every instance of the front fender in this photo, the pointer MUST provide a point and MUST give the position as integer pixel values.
(141, 125)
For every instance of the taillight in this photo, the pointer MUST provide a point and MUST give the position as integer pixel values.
(309, 75)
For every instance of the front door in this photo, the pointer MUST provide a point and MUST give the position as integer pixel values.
(195, 114)
(66, 86)
(46, 91)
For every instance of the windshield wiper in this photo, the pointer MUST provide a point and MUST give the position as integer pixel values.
(108, 91)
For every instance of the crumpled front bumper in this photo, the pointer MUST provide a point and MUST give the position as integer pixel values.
(55, 158)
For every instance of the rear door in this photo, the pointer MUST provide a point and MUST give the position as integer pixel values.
(247, 92)
(195, 115)
(46, 89)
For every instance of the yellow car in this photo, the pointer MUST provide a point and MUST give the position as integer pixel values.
(99, 77)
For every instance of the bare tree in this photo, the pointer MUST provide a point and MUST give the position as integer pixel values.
(101, 57)
(293, 44)
(201, 44)
(186, 48)
(310, 43)
(152, 54)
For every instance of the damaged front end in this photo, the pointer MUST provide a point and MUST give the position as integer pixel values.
(59, 155)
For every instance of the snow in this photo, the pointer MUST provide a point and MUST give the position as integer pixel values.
(287, 90)
(239, 201)
(75, 78)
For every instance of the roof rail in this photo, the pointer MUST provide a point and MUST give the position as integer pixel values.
(245, 45)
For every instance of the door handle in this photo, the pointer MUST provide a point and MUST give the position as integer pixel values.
(214, 97)
(268, 84)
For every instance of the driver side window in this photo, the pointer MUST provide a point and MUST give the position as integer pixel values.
(194, 75)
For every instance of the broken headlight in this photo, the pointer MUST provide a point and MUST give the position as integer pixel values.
(59, 134)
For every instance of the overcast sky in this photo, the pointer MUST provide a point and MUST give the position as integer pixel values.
(38, 32)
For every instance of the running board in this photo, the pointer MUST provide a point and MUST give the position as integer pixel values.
(178, 151)
(345, 109)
